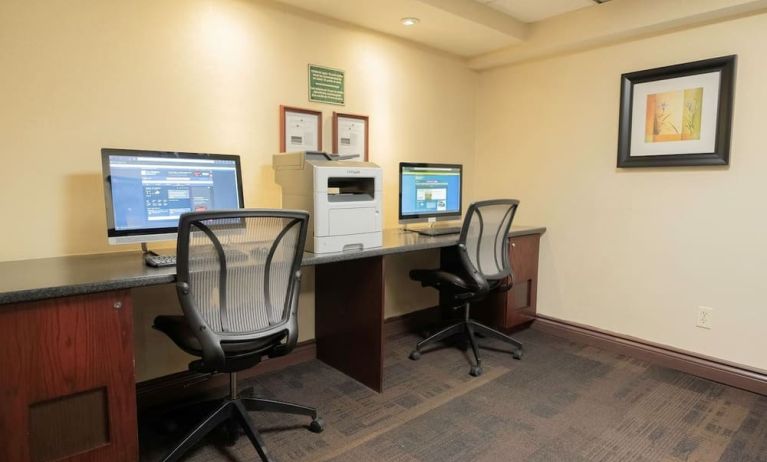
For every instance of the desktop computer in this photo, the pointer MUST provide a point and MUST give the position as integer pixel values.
(147, 191)
(429, 193)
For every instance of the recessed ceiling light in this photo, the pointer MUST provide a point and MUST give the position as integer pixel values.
(409, 21)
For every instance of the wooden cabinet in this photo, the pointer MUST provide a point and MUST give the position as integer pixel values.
(520, 301)
(67, 382)
(516, 307)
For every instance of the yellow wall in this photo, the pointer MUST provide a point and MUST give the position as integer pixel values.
(635, 251)
(200, 76)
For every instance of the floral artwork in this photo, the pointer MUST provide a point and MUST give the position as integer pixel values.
(674, 115)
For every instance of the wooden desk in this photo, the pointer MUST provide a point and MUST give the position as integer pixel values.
(66, 330)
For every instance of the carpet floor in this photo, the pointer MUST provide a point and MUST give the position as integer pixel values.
(563, 402)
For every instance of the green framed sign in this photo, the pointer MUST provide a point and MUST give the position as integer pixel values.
(326, 85)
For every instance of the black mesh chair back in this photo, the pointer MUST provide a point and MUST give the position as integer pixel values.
(483, 250)
(239, 274)
(484, 240)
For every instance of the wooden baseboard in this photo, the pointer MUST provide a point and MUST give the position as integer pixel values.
(186, 385)
(708, 368)
(411, 322)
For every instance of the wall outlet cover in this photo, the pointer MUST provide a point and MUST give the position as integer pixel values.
(705, 314)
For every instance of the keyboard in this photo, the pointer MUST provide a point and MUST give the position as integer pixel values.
(159, 261)
(440, 231)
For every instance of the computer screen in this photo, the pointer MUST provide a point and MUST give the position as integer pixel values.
(429, 191)
(147, 191)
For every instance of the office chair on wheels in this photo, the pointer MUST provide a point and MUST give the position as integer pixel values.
(239, 274)
(483, 251)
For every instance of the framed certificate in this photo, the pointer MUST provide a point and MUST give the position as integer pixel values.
(300, 129)
(350, 135)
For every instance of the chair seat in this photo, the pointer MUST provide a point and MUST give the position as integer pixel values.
(444, 281)
(179, 331)
(440, 278)
(456, 286)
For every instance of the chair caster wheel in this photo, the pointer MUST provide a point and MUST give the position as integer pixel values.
(517, 354)
(415, 355)
(230, 433)
(475, 371)
(317, 425)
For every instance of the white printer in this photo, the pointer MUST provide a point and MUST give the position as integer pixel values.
(343, 198)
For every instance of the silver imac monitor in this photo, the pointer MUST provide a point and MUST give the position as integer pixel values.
(429, 192)
(146, 191)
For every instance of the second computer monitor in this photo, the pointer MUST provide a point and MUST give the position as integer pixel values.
(429, 191)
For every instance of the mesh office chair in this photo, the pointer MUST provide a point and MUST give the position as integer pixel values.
(238, 282)
(483, 250)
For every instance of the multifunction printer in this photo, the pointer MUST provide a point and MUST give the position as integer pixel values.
(343, 198)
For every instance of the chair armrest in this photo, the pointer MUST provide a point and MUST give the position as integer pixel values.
(505, 284)
(292, 339)
(212, 352)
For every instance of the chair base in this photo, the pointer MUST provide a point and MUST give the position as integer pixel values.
(235, 410)
(470, 328)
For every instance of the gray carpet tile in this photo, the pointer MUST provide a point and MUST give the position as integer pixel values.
(563, 402)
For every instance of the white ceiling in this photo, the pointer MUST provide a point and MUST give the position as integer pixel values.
(492, 33)
(463, 27)
(536, 10)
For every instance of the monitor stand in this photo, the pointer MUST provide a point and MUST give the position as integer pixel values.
(169, 252)
(156, 260)
(435, 229)
(145, 250)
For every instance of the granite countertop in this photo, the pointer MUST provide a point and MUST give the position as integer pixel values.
(400, 241)
(28, 280)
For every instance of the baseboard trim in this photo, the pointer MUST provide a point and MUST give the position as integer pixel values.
(186, 385)
(411, 322)
(681, 360)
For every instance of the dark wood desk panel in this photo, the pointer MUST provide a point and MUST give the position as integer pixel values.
(67, 386)
(521, 301)
(349, 315)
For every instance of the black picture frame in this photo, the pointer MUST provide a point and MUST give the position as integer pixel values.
(721, 153)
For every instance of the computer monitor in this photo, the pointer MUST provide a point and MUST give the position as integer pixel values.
(429, 192)
(146, 191)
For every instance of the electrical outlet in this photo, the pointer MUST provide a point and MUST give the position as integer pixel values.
(704, 317)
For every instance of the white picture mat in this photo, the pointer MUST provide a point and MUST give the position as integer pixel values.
(301, 132)
(353, 131)
(707, 142)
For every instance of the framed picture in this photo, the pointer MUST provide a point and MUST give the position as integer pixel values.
(677, 115)
(350, 135)
(300, 129)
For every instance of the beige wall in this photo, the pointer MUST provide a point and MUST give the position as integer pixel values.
(200, 76)
(636, 251)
